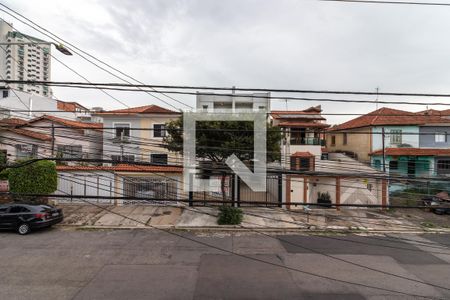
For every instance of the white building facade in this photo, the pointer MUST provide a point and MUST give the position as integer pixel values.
(25, 58)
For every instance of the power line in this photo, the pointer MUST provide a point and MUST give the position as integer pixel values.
(82, 56)
(212, 88)
(108, 86)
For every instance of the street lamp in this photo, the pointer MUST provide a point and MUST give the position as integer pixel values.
(60, 47)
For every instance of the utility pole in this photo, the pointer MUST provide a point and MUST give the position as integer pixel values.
(376, 101)
(53, 139)
(384, 154)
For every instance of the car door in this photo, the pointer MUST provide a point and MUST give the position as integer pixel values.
(3, 219)
(11, 218)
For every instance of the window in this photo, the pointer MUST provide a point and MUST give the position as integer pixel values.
(440, 137)
(443, 164)
(159, 130)
(205, 107)
(18, 209)
(333, 140)
(5, 93)
(70, 151)
(393, 165)
(396, 136)
(243, 105)
(122, 130)
(377, 164)
(160, 159)
(344, 138)
(26, 151)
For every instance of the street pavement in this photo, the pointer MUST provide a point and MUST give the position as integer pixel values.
(151, 264)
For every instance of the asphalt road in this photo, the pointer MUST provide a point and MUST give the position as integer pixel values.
(148, 264)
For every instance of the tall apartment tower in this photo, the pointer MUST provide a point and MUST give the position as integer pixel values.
(25, 58)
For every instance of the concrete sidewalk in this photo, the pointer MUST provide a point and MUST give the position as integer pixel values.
(204, 218)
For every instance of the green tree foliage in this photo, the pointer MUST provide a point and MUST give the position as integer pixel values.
(36, 178)
(217, 140)
(229, 216)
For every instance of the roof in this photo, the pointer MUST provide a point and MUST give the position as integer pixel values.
(302, 154)
(124, 168)
(303, 124)
(13, 121)
(309, 113)
(389, 116)
(69, 123)
(412, 152)
(147, 109)
(30, 133)
(69, 106)
(435, 112)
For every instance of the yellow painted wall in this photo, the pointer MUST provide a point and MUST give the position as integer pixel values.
(358, 141)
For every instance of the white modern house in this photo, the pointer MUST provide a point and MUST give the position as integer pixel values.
(234, 102)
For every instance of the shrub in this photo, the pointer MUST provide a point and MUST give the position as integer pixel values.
(324, 198)
(36, 178)
(229, 215)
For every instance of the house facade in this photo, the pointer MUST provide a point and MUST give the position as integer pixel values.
(136, 134)
(399, 142)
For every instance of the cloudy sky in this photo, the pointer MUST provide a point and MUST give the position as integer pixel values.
(303, 44)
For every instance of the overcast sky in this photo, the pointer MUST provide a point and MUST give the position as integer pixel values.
(273, 44)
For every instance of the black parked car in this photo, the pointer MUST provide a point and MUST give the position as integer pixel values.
(433, 202)
(25, 217)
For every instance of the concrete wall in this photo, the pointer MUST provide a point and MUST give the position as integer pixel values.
(359, 141)
(427, 136)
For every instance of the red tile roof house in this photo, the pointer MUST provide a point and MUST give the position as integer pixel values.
(20, 143)
(415, 144)
(129, 135)
(315, 170)
(73, 139)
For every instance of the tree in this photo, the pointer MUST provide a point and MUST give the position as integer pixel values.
(39, 177)
(217, 140)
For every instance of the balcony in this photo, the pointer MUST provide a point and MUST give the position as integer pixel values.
(306, 141)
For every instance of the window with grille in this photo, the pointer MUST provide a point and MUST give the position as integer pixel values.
(70, 151)
(396, 136)
(440, 137)
(26, 151)
(159, 130)
(160, 159)
(122, 130)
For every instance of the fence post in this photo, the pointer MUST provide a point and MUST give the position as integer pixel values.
(238, 181)
(85, 186)
(71, 192)
(98, 188)
(233, 190)
(191, 193)
(280, 190)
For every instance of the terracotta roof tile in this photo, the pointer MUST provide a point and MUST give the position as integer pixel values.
(69, 123)
(123, 168)
(13, 121)
(31, 134)
(146, 109)
(413, 152)
(389, 116)
(303, 124)
(302, 154)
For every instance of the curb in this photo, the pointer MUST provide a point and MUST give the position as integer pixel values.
(229, 228)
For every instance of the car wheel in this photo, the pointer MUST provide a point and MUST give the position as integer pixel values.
(23, 229)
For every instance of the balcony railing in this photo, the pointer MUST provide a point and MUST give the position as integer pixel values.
(306, 141)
